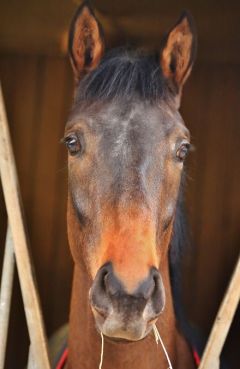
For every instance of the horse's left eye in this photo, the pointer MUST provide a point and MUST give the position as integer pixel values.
(183, 151)
(74, 144)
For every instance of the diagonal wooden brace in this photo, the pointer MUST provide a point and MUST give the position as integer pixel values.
(222, 324)
(24, 265)
(6, 294)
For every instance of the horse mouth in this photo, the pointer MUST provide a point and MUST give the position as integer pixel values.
(123, 341)
(119, 330)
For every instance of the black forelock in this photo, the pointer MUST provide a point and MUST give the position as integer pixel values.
(124, 73)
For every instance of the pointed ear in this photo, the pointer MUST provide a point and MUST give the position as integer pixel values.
(86, 44)
(178, 51)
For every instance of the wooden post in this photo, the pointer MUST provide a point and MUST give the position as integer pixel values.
(6, 294)
(210, 359)
(24, 266)
(32, 364)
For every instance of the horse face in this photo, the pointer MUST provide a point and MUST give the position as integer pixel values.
(125, 162)
(124, 177)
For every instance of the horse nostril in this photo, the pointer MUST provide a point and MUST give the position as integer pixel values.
(112, 285)
(99, 281)
(105, 287)
(98, 296)
(158, 295)
(146, 288)
(151, 289)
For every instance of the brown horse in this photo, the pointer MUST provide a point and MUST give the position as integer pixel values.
(127, 143)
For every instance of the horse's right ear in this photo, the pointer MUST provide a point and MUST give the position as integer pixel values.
(86, 44)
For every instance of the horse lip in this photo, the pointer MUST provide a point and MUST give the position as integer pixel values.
(123, 340)
(102, 312)
(118, 340)
(152, 320)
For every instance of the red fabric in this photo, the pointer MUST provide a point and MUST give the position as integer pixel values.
(196, 357)
(63, 358)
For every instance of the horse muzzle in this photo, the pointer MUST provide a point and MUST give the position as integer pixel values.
(121, 315)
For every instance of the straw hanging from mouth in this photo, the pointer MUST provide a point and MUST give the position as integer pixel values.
(102, 349)
(159, 339)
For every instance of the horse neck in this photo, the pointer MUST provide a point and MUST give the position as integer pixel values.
(85, 341)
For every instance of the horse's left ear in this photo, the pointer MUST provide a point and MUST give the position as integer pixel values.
(178, 51)
(86, 43)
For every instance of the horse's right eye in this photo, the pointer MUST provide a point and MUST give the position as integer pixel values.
(74, 144)
(183, 151)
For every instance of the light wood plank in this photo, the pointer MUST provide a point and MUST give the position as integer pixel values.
(25, 269)
(6, 294)
(222, 323)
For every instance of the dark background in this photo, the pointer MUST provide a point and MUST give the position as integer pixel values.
(37, 86)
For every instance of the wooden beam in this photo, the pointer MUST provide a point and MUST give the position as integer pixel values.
(210, 359)
(26, 273)
(6, 294)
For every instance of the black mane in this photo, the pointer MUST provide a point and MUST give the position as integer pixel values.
(124, 73)
(179, 245)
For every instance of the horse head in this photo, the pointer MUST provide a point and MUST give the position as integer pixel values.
(127, 143)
